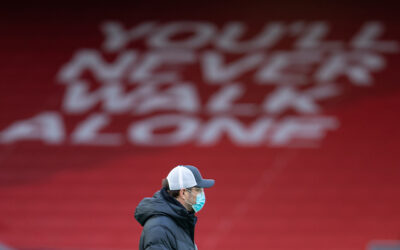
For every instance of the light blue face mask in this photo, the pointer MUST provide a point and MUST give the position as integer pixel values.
(200, 201)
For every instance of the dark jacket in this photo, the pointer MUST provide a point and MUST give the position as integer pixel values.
(166, 223)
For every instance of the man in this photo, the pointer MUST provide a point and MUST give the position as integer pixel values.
(168, 218)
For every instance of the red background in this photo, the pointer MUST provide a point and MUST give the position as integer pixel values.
(341, 195)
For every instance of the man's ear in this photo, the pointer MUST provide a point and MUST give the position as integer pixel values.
(182, 192)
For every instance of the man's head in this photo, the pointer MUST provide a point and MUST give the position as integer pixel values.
(185, 183)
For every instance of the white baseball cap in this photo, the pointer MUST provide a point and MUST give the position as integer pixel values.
(187, 176)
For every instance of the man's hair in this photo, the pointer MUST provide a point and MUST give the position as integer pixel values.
(173, 193)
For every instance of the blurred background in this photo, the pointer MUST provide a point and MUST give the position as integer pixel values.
(291, 106)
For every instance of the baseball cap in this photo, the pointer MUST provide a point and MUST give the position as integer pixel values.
(187, 176)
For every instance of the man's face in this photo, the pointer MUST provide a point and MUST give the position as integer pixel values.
(191, 194)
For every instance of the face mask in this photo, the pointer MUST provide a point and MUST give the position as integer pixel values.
(200, 201)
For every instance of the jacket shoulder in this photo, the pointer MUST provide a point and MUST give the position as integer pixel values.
(160, 220)
(158, 233)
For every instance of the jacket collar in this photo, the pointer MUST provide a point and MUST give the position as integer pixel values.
(187, 219)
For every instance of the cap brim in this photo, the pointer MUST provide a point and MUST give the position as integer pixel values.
(206, 183)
